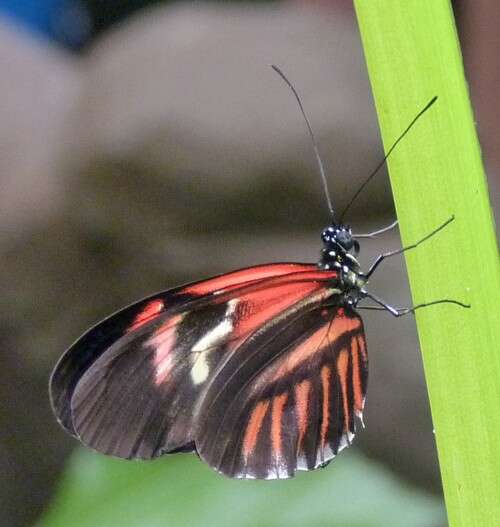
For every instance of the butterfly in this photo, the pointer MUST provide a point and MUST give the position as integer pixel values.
(261, 372)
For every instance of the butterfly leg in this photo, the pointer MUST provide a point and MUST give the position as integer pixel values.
(377, 232)
(399, 312)
(381, 257)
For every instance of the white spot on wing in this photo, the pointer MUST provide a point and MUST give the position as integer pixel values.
(200, 369)
(359, 415)
(218, 332)
(202, 348)
(302, 463)
(281, 470)
(343, 443)
(322, 457)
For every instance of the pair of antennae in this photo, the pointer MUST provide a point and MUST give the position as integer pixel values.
(318, 158)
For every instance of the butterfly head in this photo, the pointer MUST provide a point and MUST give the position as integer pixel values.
(340, 248)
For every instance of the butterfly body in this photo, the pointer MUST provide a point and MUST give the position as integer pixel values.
(261, 371)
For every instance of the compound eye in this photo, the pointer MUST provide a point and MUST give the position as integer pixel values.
(345, 239)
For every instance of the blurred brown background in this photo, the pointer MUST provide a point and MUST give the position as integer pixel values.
(144, 146)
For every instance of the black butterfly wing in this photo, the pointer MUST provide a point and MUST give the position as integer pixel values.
(288, 399)
(139, 397)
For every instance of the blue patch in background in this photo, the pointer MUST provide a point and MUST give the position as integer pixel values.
(66, 22)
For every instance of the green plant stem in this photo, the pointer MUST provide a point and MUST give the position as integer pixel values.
(413, 53)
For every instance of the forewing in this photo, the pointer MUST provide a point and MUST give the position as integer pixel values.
(99, 339)
(287, 399)
(140, 397)
(136, 400)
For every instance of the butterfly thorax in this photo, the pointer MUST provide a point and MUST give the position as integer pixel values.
(339, 252)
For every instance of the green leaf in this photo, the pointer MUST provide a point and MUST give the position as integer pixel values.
(413, 53)
(180, 490)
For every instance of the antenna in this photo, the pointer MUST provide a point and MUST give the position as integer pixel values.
(315, 147)
(381, 164)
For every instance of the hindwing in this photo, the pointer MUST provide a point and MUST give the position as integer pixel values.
(288, 399)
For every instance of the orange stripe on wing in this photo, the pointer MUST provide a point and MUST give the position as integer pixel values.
(314, 343)
(301, 404)
(362, 347)
(253, 427)
(342, 361)
(326, 374)
(149, 311)
(301, 353)
(277, 422)
(356, 379)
